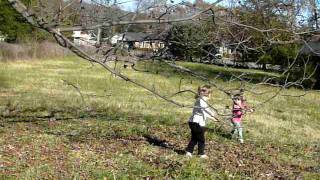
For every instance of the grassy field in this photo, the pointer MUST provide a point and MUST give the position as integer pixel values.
(115, 130)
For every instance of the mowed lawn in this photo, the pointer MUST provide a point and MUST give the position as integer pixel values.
(65, 118)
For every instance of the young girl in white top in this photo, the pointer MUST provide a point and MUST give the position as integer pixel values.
(201, 111)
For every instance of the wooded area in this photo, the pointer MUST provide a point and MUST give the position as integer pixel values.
(155, 53)
(265, 32)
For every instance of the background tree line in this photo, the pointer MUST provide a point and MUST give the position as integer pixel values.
(274, 46)
(191, 41)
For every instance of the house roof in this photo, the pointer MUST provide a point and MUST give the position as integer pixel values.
(157, 36)
(312, 47)
(132, 36)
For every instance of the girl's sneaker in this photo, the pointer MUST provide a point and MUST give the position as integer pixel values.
(188, 154)
(241, 141)
(204, 156)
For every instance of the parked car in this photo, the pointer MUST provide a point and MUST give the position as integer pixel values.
(218, 56)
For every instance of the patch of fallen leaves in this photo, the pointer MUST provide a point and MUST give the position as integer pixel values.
(248, 159)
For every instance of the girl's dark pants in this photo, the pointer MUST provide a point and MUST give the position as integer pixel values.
(197, 137)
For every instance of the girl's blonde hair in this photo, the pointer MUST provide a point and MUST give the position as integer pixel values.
(204, 90)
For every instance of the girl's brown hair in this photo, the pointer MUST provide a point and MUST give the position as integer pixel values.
(204, 90)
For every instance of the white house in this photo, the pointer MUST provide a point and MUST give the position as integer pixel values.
(2, 37)
(139, 40)
(116, 38)
(81, 38)
(224, 50)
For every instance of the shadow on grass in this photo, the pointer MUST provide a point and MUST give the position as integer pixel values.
(68, 113)
(210, 71)
(155, 141)
(107, 123)
(126, 125)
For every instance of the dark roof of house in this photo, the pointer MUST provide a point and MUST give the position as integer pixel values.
(312, 47)
(132, 36)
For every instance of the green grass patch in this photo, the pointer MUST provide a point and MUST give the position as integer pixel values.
(51, 130)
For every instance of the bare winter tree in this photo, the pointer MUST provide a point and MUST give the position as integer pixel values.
(249, 32)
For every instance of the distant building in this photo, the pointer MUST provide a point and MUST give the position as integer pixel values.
(2, 37)
(139, 41)
(224, 50)
(81, 38)
(312, 47)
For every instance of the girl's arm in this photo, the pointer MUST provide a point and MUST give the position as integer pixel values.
(213, 118)
(239, 104)
(247, 107)
(208, 110)
(243, 105)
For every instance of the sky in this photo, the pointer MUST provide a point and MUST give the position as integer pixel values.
(131, 5)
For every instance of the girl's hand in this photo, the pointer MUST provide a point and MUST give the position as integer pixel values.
(250, 110)
(214, 119)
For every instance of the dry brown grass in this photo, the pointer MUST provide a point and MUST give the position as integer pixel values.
(33, 50)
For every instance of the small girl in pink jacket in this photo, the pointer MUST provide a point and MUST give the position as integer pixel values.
(239, 106)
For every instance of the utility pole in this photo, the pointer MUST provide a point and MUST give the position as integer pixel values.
(99, 36)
